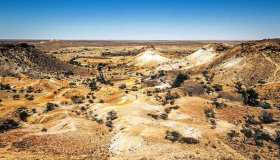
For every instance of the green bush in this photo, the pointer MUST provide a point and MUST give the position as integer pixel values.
(50, 107)
(250, 97)
(265, 105)
(179, 80)
(77, 99)
(209, 113)
(8, 124)
(266, 117)
(23, 113)
(92, 85)
(173, 136)
(5, 86)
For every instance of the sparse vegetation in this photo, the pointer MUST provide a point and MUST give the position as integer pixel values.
(174, 136)
(170, 97)
(250, 119)
(112, 115)
(261, 136)
(169, 109)
(142, 102)
(154, 116)
(265, 105)
(122, 86)
(179, 80)
(29, 89)
(68, 73)
(34, 110)
(44, 130)
(232, 134)
(134, 88)
(209, 113)
(163, 116)
(218, 104)
(92, 85)
(78, 99)
(8, 124)
(218, 87)
(74, 62)
(50, 107)
(189, 140)
(277, 137)
(16, 97)
(248, 132)
(23, 113)
(101, 77)
(29, 97)
(250, 96)
(5, 86)
(266, 117)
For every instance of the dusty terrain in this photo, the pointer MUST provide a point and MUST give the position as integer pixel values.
(140, 100)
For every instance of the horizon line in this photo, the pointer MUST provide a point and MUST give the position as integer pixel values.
(144, 40)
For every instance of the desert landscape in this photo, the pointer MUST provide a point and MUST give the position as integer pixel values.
(139, 80)
(139, 100)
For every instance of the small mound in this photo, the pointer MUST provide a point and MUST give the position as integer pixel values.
(250, 63)
(149, 58)
(27, 59)
(202, 56)
(235, 62)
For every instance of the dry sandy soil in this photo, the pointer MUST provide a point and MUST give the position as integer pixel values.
(140, 100)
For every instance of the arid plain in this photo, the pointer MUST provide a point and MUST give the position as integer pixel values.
(140, 100)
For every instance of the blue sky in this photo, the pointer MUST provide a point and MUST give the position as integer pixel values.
(140, 19)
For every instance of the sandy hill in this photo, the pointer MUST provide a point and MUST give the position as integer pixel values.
(201, 57)
(249, 62)
(149, 58)
(24, 58)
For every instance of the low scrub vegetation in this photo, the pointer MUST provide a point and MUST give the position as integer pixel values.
(8, 124)
(5, 86)
(175, 136)
(50, 107)
(179, 80)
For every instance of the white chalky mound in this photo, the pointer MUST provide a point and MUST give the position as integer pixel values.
(149, 58)
(202, 56)
(235, 62)
(199, 57)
